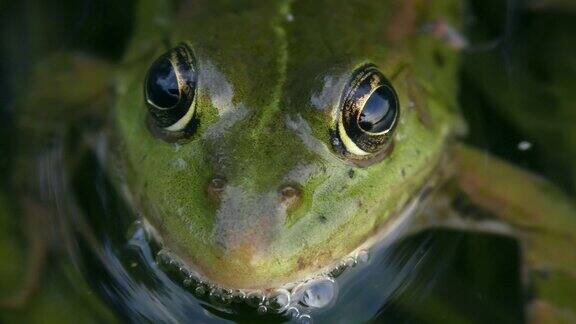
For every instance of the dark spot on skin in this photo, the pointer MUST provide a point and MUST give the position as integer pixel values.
(217, 184)
(322, 219)
(439, 58)
(290, 195)
(216, 187)
(351, 173)
(289, 192)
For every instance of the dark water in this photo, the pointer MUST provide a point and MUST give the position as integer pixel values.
(105, 270)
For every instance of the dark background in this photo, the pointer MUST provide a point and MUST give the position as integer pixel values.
(518, 79)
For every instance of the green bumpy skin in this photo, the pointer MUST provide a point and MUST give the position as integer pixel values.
(271, 76)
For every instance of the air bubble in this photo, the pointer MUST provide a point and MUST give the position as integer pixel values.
(279, 300)
(316, 293)
(293, 312)
(200, 291)
(220, 296)
(350, 261)
(338, 270)
(262, 309)
(225, 296)
(305, 319)
(214, 296)
(363, 256)
(188, 282)
(255, 298)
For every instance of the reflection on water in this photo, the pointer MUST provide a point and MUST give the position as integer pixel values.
(105, 268)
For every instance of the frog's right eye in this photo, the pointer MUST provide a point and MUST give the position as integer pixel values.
(369, 112)
(170, 88)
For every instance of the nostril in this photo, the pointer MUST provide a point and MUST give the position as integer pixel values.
(290, 193)
(216, 187)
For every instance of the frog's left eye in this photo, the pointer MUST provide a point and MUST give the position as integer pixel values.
(368, 115)
(170, 88)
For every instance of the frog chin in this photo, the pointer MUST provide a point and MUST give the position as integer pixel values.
(325, 278)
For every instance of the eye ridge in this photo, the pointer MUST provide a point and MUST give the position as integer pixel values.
(169, 111)
(366, 83)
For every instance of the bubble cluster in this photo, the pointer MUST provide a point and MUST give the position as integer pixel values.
(255, 298)
(279, 300)
(239, 296)
(220, 296)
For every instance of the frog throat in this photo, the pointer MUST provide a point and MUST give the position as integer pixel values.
(290, 294)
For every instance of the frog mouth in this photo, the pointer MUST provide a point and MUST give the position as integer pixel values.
(291, 296)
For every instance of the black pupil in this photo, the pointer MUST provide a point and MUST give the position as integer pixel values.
(162, 85)
(379, 111)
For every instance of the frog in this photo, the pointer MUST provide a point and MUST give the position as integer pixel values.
(261, 144)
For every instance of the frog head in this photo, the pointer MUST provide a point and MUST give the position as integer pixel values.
(266, 141)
